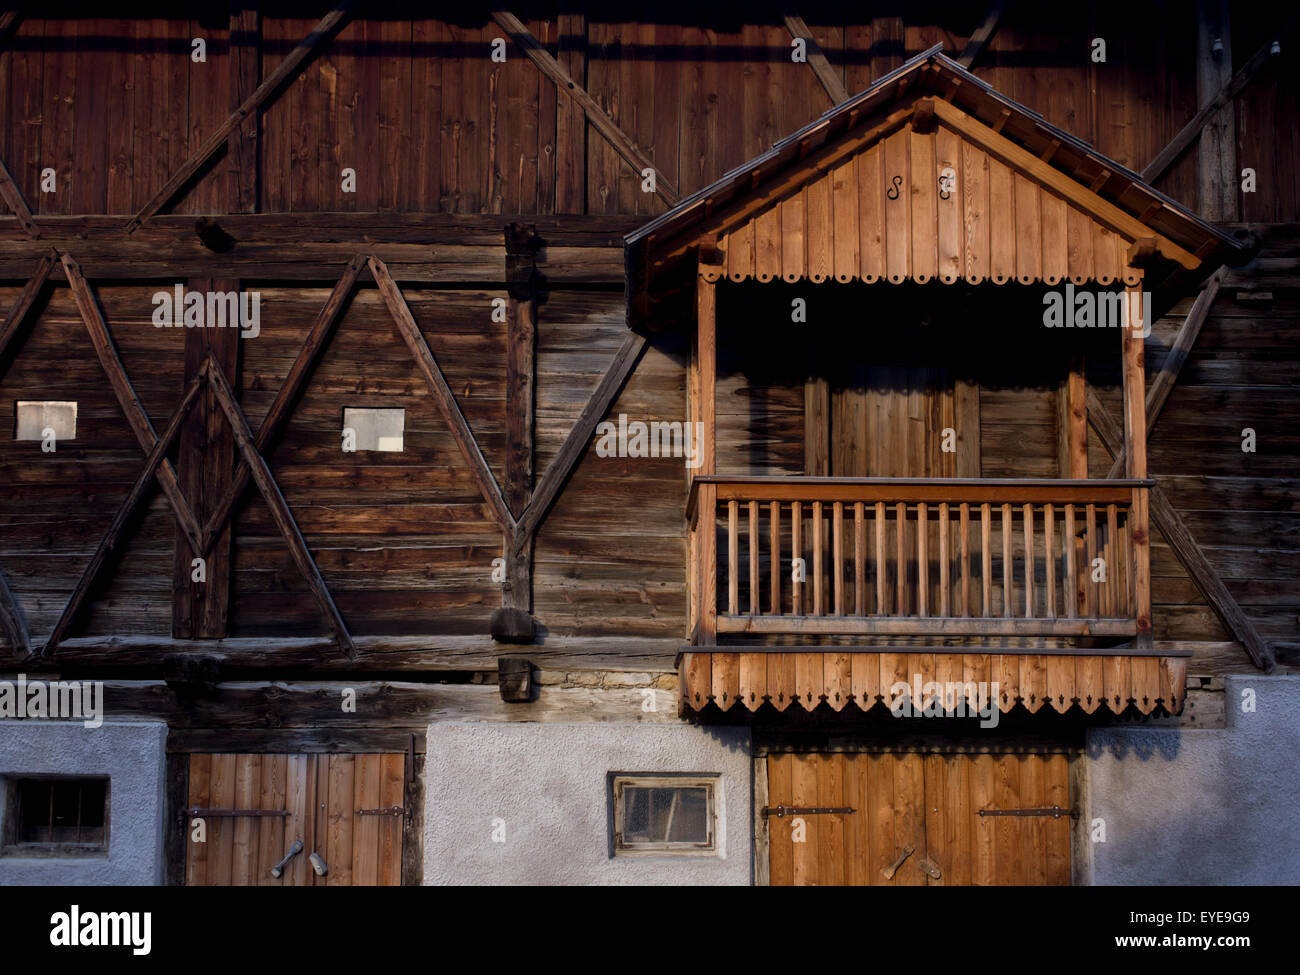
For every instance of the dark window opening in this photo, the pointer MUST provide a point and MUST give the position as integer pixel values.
(57, 815)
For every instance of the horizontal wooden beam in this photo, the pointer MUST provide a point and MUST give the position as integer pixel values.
(599, 118)
(1180, 539)
(308, 46)
(928, 626)
(421, 654)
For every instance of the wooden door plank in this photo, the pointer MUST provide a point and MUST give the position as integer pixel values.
(1008, 834)
(938, 815)
(832, 827)
(300, 804)
(885, 848)
(983, 773)
(909, 821)
(221, 829)
(365, 829)
(1033, 794)
(392, 767)
(200, 797)
(780, 791)
(342, 811)
(806, 856)
(271, 846)
(1056, 772)
(248, 784)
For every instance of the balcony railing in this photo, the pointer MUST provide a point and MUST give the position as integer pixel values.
(900, 557)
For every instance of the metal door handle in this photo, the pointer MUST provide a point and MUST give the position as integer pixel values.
(318, 864)
(888, 872)
(278, 869)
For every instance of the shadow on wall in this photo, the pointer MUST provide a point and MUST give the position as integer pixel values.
(1200, 806)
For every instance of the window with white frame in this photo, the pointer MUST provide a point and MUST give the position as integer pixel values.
(657, 813)
(34, 417)
(365, 428)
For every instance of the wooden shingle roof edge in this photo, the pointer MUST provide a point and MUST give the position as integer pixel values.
(933, 71)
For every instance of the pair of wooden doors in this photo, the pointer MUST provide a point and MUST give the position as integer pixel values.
(247, 811)
(917, 819)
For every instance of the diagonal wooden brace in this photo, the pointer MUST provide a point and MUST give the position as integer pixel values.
(113, 536)
(279, 510)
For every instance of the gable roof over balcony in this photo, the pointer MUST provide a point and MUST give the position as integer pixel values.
(862, 194)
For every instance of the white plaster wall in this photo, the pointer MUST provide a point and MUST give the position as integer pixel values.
(548, 783)
(133, 756)
(1201, 806)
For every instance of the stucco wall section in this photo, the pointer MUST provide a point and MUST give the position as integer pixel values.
(1201, 806)
(133, 755)
(547, 783)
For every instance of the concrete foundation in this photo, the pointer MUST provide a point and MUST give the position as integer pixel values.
(132, 755)
(528, 803)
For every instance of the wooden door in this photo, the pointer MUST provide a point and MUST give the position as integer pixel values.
(313, 798)
(928, 804)
(888, 421)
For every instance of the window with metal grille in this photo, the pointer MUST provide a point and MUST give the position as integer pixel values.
(664, 814)
(61, 816)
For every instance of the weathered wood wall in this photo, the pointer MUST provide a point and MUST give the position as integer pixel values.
(430, 123)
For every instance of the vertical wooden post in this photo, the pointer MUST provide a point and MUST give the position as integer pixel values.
(205, 461)
(571, 125)
(1216, 150)
(512, 623)
(1072, 456)
(241, 145)
(704, 359)
(1135, 459)
(816, 427)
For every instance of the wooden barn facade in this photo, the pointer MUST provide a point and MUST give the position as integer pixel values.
(548, 445)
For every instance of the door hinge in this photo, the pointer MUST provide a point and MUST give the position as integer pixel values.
(212, 813)
(1056, 812)
(385, 811)
(782, 811)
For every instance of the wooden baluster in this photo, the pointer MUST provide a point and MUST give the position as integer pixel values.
(1008, 589)
(1049, 553)
(964, 520)
(755, 606)
(922, 561)
(945, 607)
(796, 553)
(817, 558)
(733, 559)
(900, 556)
(1090, 587)
(774, 552)
(1029, 560)
(1112, 561)
(882, 605)
(986, 556)
(837, 557)
(1127, 553)
(859, 559)
(1071, 565)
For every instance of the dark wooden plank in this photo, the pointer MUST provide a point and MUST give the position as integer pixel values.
(322, 32)
(243, 173)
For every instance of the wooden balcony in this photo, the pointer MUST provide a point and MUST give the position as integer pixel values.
(916, 557)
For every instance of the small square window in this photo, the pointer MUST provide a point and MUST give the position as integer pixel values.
(664, 814)
(374, 429)
(34, 417)
(62, 816)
